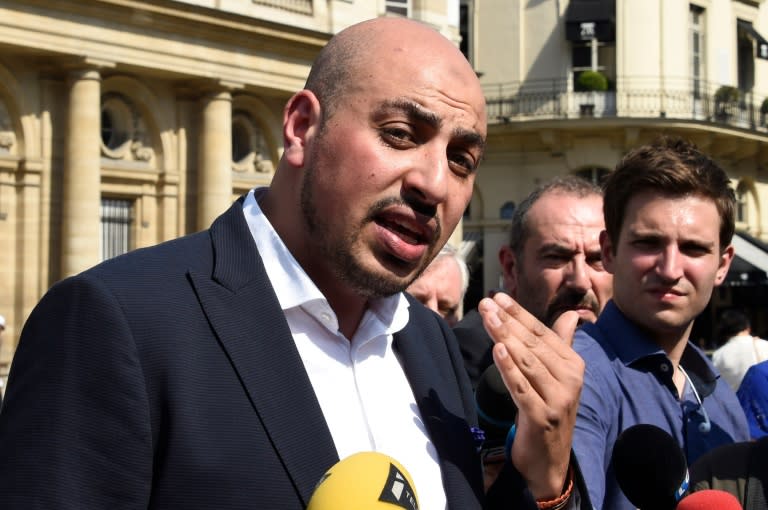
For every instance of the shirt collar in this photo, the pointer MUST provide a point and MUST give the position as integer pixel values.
(293, 287)
(632, 346)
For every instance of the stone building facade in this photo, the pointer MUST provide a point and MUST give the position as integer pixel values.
(124, 123)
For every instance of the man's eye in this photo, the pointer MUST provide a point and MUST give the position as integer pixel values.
(596, 262)
(396, 135)
(461, 164)
(644, 244)
(694, 250)
(447, 310)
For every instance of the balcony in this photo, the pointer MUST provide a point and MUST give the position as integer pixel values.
(650, 98)
(299, 6)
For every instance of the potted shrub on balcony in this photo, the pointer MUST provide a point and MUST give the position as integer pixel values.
(726, 100)
(590, 81)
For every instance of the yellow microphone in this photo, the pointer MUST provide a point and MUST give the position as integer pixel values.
(363, 481)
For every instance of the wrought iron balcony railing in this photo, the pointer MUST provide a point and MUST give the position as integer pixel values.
(300, 6)
(630, 98)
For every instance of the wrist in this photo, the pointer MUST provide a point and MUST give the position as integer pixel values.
(562, 500)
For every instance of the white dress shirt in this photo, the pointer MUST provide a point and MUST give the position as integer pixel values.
(361, 387)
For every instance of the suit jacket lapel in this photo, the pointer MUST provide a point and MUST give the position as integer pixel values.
(243, 310)
(432, 377)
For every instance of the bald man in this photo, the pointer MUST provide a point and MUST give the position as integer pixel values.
(231, 368)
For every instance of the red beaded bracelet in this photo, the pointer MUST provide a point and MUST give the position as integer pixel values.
(559, 502)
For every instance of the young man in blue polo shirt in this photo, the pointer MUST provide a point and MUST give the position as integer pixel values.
(669, 215)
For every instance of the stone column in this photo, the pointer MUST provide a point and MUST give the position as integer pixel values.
(81, 193)
(214, 177)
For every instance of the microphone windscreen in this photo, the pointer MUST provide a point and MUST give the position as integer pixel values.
(650, 467)
(496, 411)
(709, 499)
(369, 480)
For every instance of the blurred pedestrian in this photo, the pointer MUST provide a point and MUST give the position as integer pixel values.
(753, 397)
(739, 349)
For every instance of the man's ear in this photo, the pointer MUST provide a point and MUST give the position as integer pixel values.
(606, 251)
(725, 263)
(508, 261)
(301, 120)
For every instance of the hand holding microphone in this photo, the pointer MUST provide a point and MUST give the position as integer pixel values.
(365, 480)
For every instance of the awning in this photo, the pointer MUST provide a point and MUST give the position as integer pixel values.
(590, 19)
(750, 265)
(761, 50)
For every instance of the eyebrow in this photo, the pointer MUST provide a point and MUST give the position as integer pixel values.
(415, 111)
(705, 242)
(556, 248)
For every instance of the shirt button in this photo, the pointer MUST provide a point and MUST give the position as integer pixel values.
(664, 367)
(325, 316)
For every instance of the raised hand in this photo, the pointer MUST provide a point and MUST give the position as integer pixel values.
(544, 375)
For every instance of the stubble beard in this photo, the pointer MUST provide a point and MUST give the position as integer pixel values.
(339, 252)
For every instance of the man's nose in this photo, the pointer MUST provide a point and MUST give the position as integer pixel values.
(576, 275)
(668, 265)
(427, 179)
(431, 303)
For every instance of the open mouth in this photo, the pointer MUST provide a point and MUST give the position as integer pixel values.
(403, 235)
(404, 230)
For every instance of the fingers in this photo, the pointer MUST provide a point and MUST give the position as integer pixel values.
(530, 355)
(517, 384)
(565, 326)
(509, 323)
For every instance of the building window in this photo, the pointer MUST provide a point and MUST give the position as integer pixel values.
(593, 174)
(399, 7)
(123, 134)
(594, 55)
(697, 48)
(465, 29)
(7, 133)
(250, 150)
(745, 57)
(116, 223)
(742, 203)
(117, 120)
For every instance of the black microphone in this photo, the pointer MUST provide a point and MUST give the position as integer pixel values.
(496, 412)
(650, 467)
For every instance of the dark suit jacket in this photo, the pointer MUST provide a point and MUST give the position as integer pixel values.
(168, 378)
(475, 344)
(740, 469)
